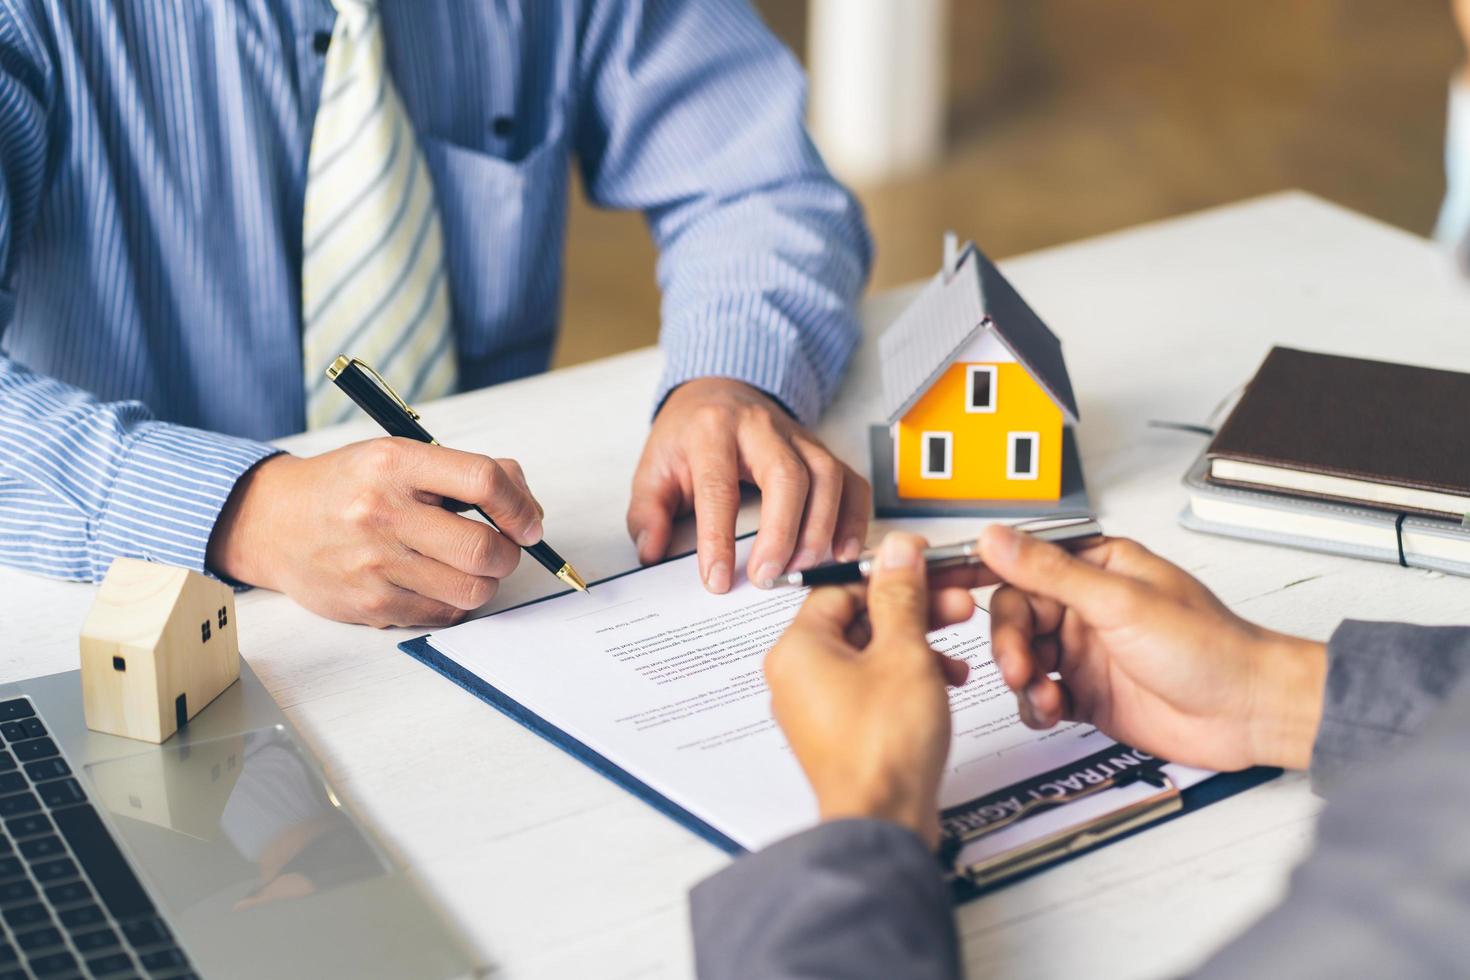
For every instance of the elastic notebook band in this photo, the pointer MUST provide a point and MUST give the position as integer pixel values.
(1398, 533)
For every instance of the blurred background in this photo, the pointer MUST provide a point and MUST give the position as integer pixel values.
(1029, 123)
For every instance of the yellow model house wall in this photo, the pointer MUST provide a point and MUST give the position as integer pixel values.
(978, 454)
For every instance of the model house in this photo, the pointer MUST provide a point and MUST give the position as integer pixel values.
(975, 392)
(158, 645)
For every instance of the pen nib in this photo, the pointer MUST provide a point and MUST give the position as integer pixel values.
(569, 575)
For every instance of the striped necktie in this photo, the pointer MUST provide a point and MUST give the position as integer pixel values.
(372, 267)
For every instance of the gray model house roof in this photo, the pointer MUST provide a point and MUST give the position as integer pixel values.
(948, 316)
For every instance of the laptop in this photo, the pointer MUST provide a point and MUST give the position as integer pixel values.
(222, 853)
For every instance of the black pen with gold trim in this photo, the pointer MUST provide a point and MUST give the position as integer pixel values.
(377, 398)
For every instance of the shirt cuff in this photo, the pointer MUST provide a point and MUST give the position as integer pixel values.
(769, 358)
(167, 495)
(1384, 682)
(1453, 228)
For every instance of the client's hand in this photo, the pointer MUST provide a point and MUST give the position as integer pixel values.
(1148, 655)
(862, 697)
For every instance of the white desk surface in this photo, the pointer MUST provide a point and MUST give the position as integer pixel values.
(552, 871)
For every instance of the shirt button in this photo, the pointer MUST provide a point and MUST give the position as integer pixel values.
(321, 41)
(502, 126)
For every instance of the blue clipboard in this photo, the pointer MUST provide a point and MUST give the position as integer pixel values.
(420, 650)
(1196, 797)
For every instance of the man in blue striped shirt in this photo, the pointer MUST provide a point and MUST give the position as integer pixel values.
(153, 175)
(1454, 218)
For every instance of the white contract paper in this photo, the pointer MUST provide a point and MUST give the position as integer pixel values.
(665, 680)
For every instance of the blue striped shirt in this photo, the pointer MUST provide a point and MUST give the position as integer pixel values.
(1454, 218)
(152, 173)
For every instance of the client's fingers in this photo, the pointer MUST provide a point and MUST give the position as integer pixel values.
(950, 606)
(1049, 701)
(898, 595)
(829, 612)
(1045, 569)
(955, 671)
(963, 577)
(814, 641)
(1016, 622)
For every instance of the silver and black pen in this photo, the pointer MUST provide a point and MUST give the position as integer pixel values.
(1072, 533)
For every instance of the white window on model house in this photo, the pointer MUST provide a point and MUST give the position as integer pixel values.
(937, 449)
(1021, 448)
(980, 388)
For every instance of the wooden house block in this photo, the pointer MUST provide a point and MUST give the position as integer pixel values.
(158, 645)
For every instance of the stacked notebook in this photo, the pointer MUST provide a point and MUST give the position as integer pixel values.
(1343, 455)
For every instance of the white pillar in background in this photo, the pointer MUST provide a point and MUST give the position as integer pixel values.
(877, 71)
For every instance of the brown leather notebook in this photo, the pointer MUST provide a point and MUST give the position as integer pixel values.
(1382, 435)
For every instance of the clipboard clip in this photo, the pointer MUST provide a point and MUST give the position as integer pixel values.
(1055, 846)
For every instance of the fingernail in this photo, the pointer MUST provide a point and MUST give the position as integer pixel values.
(768, 572)
(805, 559)
(717, 579)
(533, 533)
(1030, 693)
(851, 550)
(899, 551)
(638, 543)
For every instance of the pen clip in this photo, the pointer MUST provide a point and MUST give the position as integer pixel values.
(1055, 522)
(343, 361)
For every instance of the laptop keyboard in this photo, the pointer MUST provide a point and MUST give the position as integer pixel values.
(70, 902)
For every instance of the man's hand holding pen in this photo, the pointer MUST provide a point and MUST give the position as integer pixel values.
(360, 534)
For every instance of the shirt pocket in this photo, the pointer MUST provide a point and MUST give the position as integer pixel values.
(504, 225)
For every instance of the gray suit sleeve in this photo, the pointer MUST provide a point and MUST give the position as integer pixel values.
(854, 899)
(1384, 682)
(862, 899)
(1384, 892)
